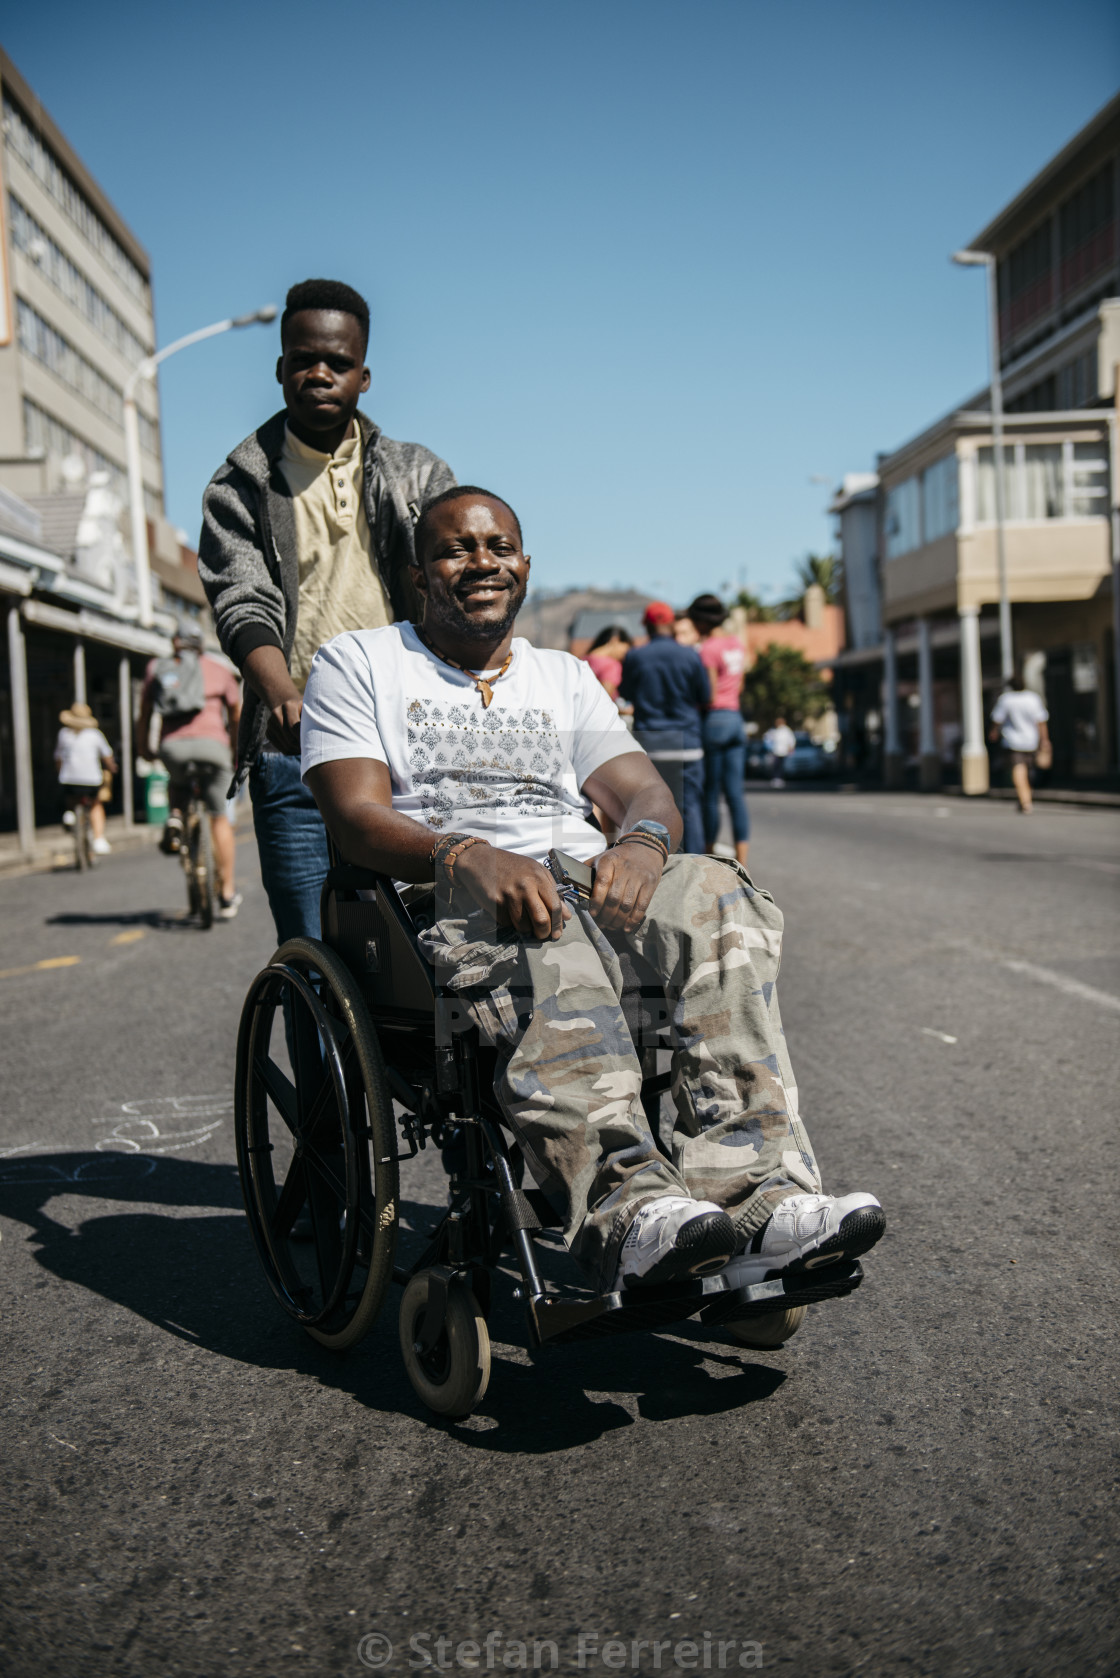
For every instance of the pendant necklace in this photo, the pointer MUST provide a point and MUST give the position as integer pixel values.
(482, 685)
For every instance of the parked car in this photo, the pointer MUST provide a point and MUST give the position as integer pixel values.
(808, 761)
(758, 759)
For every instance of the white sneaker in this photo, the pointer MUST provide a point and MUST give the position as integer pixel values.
(100, 847)
(68, 818)
(806, 1232)
(674, 1239)
(227, 909)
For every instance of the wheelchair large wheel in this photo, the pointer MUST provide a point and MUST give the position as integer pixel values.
(452, 1378)
(320, 1142)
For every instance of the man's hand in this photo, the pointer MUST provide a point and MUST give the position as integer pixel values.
(521, 893)
(266, 671)
(626, 878)
(283, 725)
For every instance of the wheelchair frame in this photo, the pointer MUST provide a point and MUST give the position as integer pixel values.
(366, 1027)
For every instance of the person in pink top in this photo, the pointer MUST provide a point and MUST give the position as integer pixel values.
(203, 735)
(606, 654)
(725, 739)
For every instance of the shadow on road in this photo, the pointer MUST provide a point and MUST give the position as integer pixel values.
(163, 920)
(195, 1275)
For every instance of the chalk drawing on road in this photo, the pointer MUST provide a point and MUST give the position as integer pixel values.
(140, 1131)
(136, 1128)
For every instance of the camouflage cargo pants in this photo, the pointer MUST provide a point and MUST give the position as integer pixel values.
(569, 1075)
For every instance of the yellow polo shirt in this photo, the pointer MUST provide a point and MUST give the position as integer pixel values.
(339, 584)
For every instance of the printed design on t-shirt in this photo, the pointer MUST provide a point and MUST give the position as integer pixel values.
(464, 758)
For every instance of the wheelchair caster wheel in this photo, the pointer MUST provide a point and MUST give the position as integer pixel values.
(771, 1330)
(452, 1378)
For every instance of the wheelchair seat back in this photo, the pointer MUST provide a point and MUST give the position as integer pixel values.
(375, 937)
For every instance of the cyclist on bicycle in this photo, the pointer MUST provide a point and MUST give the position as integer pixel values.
(199, 702)
(79, 752)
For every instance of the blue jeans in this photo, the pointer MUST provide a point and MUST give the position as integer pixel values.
(292, 843)
(685, 781)
(725, 749)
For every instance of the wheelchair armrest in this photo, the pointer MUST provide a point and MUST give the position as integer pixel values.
(346, 876)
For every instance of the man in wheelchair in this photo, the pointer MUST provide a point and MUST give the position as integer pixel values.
(450, 750)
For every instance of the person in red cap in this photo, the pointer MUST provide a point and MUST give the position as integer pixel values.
(669, 690)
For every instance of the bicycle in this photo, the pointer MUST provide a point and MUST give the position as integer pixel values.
(196, 852)
(85, 857)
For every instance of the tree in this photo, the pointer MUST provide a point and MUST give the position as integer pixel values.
(826, 571)
(757, 611)
(782, 683)
(823, 569)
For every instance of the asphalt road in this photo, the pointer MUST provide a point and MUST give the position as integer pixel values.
(922, 1482)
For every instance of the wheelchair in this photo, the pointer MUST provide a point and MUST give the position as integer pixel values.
(381, 1066)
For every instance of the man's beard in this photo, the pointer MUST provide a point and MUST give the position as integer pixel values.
(446, 613)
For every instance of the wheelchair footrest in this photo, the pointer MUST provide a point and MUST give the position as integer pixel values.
(562, 1319)
(807, 1287)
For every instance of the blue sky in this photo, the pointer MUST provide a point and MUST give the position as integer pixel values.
(644, 268)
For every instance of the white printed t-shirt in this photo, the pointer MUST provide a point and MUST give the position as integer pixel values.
(511, 772)
(1018, 713)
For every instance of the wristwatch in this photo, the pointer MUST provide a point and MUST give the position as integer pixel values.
(656, 830)
(648, 829)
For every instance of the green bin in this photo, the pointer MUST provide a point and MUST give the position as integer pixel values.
(155, 795)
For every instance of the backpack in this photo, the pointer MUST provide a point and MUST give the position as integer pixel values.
(178, 688)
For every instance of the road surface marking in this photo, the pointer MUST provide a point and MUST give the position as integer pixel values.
(39, 966)
(942, 1036)
(1062, 981)
(130, 937)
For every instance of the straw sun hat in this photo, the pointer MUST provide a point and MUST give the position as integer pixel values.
(78, 716)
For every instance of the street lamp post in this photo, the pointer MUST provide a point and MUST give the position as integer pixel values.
(985, 259)
(147, 370)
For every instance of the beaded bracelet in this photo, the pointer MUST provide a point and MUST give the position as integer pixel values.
(447, 850)
(645, 839)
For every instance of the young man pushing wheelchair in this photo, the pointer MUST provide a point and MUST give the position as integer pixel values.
(450, 750)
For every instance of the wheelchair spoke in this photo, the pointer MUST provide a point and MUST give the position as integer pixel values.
(326, 1177)
(325, 1209)
(289, 1201)
(307, 1057)
(313, 1115)
(281, 1090)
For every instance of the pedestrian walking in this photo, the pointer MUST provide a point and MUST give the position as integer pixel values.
(725, 737)
(779, 742)
(1020, 721)
(81, 753)
(669, 690)
(307, 532)
(606, 653)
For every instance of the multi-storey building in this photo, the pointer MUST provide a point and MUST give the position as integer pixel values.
(75, 318)
(920, 537)
(75, 322)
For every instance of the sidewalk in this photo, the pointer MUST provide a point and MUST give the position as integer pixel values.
(1098, 798)
(54, 846)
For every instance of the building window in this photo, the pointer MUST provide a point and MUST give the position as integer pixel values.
(1087, 230)
(1042, 481)
(42, 433)
(43, 164)
(940, 504)
(903, 520)
(56, 266)
(1025, 281)
(38, 339)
